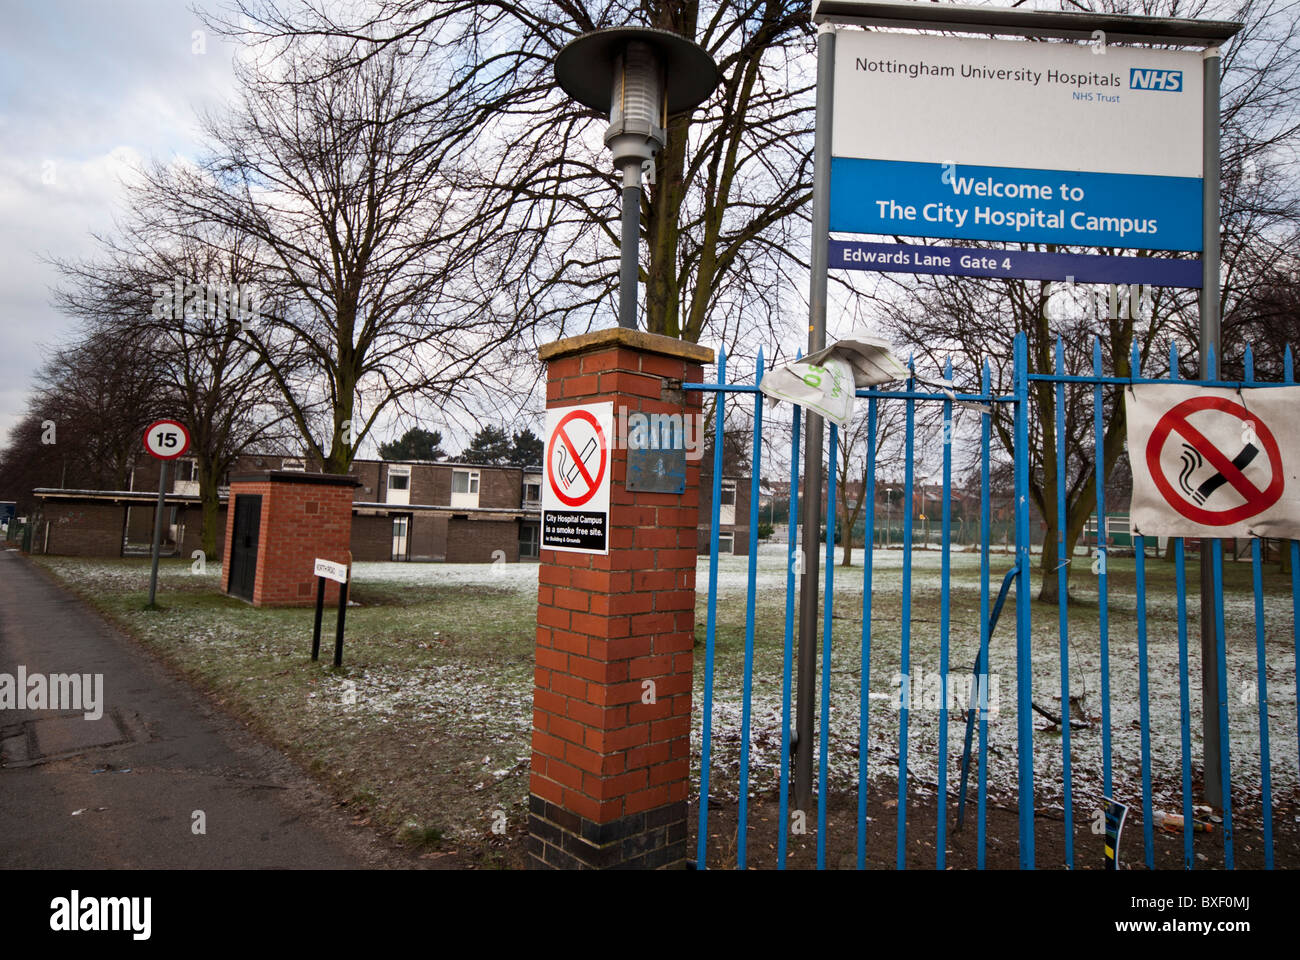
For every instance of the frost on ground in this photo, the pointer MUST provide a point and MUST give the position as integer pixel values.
(432, 714)
(924, 719)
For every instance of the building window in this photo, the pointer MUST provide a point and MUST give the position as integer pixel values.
(399, 485)
(532, 492)
(464, 488)
(726, 543)
(296, 464)
(728, 498)
(528, 541)
(727, 503)
(187, 471)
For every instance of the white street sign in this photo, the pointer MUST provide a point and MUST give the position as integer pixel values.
(167, 439)
(332, 571)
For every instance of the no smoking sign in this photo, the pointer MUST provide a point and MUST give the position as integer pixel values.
(1214, 462)
(575, 490)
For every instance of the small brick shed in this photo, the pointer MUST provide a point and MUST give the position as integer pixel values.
(277, 524)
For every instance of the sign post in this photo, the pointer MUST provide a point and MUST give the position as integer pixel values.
(165, 440)
(935, 140)
(1210, 347)
(338, 572)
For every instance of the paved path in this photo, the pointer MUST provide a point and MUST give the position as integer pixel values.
(138, 774)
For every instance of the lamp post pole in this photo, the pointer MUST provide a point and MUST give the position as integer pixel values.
(629, 266)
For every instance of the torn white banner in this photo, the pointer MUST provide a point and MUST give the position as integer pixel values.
(824, 381)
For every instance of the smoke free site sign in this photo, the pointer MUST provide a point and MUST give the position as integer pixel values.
(575, 488)
(1016, 141)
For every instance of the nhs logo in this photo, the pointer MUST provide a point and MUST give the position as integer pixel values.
(1140, 78)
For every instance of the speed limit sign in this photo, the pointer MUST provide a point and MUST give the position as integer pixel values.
(167, 439)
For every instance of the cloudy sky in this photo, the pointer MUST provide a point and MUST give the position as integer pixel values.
(88, 89)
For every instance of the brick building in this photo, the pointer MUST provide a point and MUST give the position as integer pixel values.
(402, 510)
(733, 513)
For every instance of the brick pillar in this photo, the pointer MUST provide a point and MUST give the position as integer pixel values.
(610, 772)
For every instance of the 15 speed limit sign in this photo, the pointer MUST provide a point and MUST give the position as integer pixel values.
(167, 439)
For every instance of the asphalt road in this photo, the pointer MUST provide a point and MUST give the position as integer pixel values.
(122, 791)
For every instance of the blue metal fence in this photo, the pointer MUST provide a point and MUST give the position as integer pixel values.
(976, 749)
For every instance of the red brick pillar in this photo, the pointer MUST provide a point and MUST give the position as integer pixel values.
(610, 772)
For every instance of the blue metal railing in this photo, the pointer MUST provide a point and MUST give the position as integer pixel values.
(1060, 383)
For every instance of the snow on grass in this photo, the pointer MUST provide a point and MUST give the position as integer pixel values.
(444, 651)
(924, 720)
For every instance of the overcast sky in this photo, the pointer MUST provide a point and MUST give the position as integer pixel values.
(88, 88)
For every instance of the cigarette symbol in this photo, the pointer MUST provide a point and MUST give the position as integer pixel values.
(569, 469)
(1192, 461)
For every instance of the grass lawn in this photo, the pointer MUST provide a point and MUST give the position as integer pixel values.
(426, 728)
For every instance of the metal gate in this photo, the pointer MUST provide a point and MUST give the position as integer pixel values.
(1143, 763)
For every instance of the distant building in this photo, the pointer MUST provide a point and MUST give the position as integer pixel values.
(733, 514)
(403, 510)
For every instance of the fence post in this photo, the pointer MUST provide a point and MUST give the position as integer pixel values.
(1024, 647)
(615, 633)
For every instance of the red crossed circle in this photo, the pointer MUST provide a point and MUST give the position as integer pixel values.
(1176, 421)
(562, 436)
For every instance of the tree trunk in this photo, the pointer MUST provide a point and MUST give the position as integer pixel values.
(210, 507)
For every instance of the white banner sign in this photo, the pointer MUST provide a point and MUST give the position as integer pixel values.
(332, 571)
(1214, 462)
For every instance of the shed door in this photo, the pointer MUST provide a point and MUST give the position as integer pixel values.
(243, 549)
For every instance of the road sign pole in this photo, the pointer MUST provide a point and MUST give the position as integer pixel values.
(320, 609)
(1210, 342)
(812, 484)
(157, 529)
(343, 613)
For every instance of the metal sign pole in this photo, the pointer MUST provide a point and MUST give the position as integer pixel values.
(1210, 342)
(812, 500)
(320, 609)
(343, 612)
(157, 529)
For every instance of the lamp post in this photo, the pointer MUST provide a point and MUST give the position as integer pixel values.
(638, 76)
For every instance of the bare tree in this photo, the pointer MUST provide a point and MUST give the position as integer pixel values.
(189, 299)
(725, 221)
(342, 191)
(92, 400)
(854, 445)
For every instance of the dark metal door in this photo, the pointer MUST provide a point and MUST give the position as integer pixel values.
(243, 548)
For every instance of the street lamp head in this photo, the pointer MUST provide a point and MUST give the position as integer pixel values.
(638, 76)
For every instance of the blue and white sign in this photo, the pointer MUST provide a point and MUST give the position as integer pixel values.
(1016, 141)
